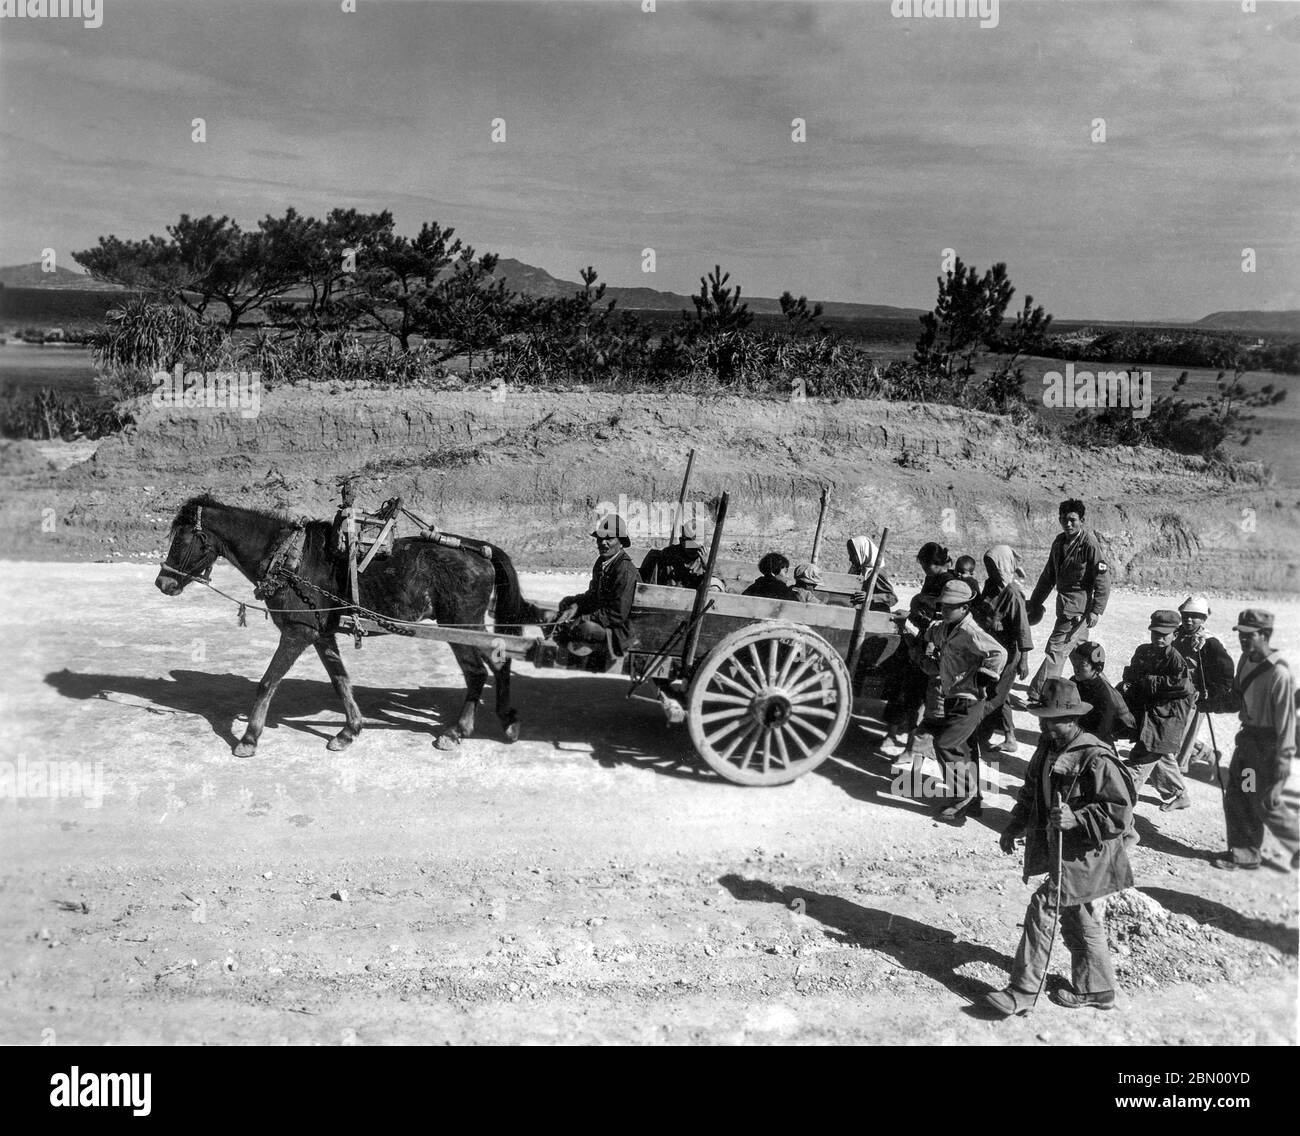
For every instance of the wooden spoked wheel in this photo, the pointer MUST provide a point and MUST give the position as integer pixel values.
(769, 703)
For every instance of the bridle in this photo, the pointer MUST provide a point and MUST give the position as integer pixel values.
(166, 569)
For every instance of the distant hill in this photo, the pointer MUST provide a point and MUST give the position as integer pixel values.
(538, 282)
(34, 276)
(1285, 322)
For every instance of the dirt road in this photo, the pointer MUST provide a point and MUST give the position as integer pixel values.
(591, 883)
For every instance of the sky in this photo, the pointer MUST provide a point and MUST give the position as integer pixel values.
(672, 130)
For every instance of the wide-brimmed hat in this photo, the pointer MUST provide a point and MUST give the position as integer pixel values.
(1165, 620)
(956, 592)
(1254, 619)
(1060, 699)
(1195, 605)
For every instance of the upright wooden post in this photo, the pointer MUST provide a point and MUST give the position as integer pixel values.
(860, 621)
(681, 498)
(821, 516)
(702, 592)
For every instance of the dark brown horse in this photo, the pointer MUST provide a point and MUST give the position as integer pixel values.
(419, 579)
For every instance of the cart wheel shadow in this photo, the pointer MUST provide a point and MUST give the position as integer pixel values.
(599, 717)
(915, 946)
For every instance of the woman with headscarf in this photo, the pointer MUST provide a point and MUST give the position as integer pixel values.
(1001, 611)
(862, 555)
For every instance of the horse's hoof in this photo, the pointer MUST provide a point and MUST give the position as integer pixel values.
(245, 749)
(446, 742)
(339, 742)
(512, 732)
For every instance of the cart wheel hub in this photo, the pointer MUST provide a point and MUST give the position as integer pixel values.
(771, 708)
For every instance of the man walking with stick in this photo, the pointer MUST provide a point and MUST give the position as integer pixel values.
(1073, 810)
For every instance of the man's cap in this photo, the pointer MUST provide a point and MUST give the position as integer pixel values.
(1165, 620)
(932, 552)
(689, 539)
(956, 592)
(1254, 619)
(1060, 699)
(1195, 605)
(808, 573)
(611, 525)
(1089, 652)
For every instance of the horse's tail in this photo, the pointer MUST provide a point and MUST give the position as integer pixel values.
(512, 610)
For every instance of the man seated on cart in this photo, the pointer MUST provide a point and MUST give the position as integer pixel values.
(601, 615)
(679, 565)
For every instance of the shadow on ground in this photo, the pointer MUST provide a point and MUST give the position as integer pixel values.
(914, 945)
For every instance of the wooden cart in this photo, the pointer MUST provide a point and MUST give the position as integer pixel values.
(765, 687)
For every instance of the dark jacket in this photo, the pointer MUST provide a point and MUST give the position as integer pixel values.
(676, 566)
(1078, 571)
(1212, 669)
(1092, 782)
(1109, 717)
(608, 600)
(1158, 689)
(769, 587)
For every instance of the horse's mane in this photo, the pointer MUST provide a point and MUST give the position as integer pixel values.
(206, 500)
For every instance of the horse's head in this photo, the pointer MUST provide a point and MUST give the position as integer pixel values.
(191, 553)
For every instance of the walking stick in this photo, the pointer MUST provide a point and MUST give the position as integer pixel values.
(1218, 773)
(1056, 907)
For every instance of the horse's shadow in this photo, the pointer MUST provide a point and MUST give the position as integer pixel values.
(633, 733)
(307, 705)
(914, 945)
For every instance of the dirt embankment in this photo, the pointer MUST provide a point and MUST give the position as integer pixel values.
(527, 472)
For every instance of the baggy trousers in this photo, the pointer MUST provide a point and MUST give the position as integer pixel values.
(1082, 933)
(1251, 778)
(952, 745)
(1069, 630)
(1168, 780)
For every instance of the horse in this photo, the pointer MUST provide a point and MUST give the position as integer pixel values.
(419, 579)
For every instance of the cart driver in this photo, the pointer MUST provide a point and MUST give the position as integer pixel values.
(601, 615)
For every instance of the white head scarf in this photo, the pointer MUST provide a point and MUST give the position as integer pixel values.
(862, 554)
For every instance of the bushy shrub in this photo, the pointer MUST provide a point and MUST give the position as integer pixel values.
(49, 414)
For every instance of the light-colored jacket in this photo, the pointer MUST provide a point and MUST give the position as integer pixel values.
(1269, 701)
(965, 651)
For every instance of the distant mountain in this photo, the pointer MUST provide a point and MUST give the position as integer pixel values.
(532, 281)
(1285, 322)
(34, 276)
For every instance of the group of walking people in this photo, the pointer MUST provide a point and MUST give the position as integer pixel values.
(966, 644)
